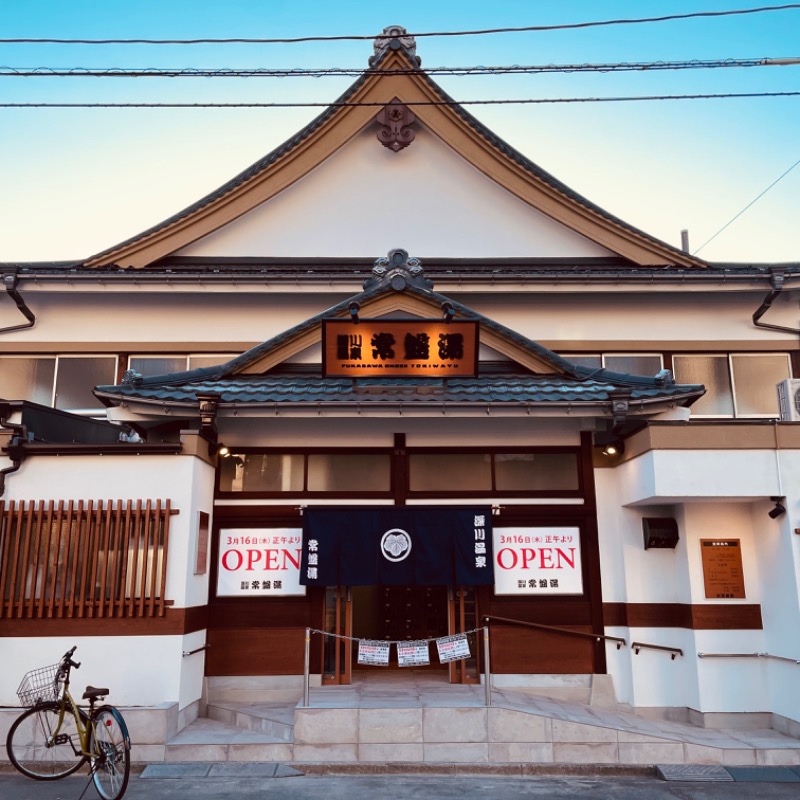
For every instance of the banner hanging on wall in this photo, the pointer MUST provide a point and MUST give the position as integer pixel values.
(260, 562)
(538, 561)
(397, 546)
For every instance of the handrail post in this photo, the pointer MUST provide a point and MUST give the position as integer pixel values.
(306, 669)
(487, 666)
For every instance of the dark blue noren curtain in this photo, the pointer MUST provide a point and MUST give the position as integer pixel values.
(391, 546)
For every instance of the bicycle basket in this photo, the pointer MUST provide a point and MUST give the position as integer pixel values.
(38, 685)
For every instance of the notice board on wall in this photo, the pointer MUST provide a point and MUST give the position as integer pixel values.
(723, 575)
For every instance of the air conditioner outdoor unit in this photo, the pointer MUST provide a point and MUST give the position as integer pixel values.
(789, 399)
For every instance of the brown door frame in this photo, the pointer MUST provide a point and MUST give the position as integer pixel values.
(339, 642)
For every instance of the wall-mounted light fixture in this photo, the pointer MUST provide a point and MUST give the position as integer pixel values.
(448, 312)
(218, 449)
(780, 508)
(612, 444)
(354, 308)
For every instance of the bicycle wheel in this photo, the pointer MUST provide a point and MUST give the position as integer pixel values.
(111, 757)
(41, 748)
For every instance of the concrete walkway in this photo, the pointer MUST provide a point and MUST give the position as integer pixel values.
(417, 717)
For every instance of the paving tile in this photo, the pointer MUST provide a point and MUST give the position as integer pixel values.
(692, 772)
(764, 774)
(242, 770)
(175, 771)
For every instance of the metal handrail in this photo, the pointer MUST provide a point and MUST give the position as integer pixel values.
(749, 655)
(196, 650)
(675, 651)
(620, 642)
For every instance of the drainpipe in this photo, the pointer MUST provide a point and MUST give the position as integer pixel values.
(14, 450)
(777, 278)
(10, 281)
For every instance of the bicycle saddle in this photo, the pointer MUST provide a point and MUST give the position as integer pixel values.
(92, 693)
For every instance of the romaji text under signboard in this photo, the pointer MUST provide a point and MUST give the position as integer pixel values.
(261, 562)
(537, 561)
(399, 348)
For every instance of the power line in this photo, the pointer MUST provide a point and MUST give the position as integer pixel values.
(370, 37)
(751, 203)
(381, 104)
(265, 72)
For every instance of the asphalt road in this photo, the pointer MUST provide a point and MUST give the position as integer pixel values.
(378, 787)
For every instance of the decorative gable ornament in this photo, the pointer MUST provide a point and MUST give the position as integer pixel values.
(394, 37)
(395, 120)
(398, 270)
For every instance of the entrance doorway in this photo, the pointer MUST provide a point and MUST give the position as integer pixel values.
(395, 614)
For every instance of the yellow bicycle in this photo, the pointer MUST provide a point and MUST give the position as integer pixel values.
(54, 737)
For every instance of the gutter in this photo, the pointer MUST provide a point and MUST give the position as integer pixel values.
(777, 280)
(10, 281)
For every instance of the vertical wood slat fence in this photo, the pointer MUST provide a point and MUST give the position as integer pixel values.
(83, 559)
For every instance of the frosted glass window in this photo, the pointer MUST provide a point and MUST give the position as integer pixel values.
(450, 472)
(344, 472)
(195, 362)
(27, 379)
(633, 364)
(586, 361)
(712, 372)
(534, 472)
(261, 472)
(148, 366)
(78, 376)
(754, 380)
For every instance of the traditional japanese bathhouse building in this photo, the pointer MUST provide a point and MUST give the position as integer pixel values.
(390, 381)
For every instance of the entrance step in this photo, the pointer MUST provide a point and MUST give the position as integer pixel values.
(209, 740)
(275, 720)
(420, 718)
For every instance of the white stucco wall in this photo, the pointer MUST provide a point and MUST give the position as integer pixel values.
(712, 495)
(198, 317)
(139, 670)
(426, 199)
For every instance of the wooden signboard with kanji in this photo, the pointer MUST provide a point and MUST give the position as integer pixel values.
(373, 348)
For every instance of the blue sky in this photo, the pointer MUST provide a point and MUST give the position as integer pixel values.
(76, 181)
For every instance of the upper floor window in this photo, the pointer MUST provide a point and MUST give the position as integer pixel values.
(60, 381)
(626, 363)
(148, 365)
(737, 384)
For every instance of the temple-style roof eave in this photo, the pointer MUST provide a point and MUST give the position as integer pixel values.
(343, 272)
(591, 408)
(508, 167)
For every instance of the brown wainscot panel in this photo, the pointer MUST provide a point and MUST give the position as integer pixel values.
(699, 616)
(175, 622)
(519, 650)
(255, 651)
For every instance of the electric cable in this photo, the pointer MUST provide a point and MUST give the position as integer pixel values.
(412, 103)
(371, 37)
(266, 72)
(751, 203)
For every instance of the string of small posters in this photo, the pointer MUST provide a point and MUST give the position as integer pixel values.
(416, 653)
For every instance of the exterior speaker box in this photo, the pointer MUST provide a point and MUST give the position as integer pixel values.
(660, 532)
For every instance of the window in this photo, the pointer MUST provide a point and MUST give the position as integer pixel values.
(493, 473)
(148, 366)
(647, 364)
(76, 376)
(737, 384)
(61, 381)
(298, 473)
(24, 378)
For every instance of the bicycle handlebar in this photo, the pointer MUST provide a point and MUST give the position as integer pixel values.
(67, 661)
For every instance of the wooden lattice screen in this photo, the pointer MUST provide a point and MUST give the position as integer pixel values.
(83, 559)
